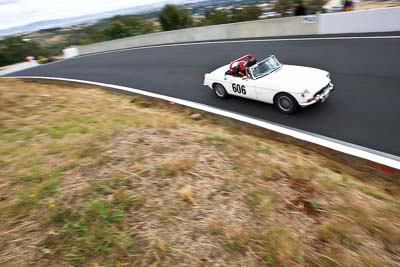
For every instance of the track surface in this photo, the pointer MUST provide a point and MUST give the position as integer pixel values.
(364, 109)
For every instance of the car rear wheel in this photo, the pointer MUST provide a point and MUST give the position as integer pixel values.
(220, 91)
(286, 103)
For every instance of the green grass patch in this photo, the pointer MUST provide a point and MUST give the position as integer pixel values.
(260, 147)
(10, 130)
(232, 246)
(216, 140)
(280, 248)
(27, 134)
(88, 150)
(20, 96)
(260, 201)
(32, 172)
(54, 149)
(95, 230)
(29, 199)
(34, 162)
(60, 131)
(345, 181)
(163, 171)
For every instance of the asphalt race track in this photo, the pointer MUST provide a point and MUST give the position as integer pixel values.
(364, 109)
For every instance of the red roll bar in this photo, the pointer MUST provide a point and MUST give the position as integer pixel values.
(248, 57)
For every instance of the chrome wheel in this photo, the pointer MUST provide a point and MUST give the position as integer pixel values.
(285, 103)
(220, 91)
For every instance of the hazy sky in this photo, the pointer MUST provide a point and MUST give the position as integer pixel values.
(20, 12)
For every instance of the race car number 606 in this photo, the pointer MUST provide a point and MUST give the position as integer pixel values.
(237, 88)
(288, 87)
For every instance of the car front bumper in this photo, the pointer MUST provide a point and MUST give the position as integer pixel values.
(321, 97)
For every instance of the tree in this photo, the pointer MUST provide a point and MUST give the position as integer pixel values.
(118, 27)
(136, 25)
(246, 14)
(173, 18)
(218, 17)
(315, 6)
(116, 30)
(14, 49)
(282, 7)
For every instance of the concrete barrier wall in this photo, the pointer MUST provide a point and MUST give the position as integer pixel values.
(377, 20)
(18, 67)
(251, 29)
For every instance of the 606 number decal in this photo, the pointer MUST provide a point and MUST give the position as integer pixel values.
(237, 88)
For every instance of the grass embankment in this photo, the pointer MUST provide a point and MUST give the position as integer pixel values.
(93, 178)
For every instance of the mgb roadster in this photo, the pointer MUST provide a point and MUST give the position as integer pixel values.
(288, 87)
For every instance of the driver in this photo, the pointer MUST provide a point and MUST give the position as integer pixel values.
(242, 69)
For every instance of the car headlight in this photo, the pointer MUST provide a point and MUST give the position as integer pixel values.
(305, 93)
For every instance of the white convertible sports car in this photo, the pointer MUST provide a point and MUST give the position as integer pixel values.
(269, 81)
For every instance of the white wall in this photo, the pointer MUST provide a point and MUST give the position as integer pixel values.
(375, 20)
(251, 29)
(70, 52)
(19, 67)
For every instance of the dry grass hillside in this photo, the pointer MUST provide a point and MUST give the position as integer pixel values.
(91, 178)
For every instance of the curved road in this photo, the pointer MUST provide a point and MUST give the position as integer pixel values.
(364, 109)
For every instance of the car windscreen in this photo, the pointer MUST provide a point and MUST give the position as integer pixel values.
(264, 67)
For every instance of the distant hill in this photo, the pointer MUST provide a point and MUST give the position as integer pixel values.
(85, 19)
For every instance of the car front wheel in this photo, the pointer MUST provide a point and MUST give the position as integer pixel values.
(220, 91)
(286, 103)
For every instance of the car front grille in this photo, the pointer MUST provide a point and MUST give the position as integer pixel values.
(322, 90)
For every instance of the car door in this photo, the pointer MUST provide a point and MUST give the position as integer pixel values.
(264, 90)
(243, 87)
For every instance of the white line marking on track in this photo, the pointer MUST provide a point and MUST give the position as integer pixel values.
(329, 143)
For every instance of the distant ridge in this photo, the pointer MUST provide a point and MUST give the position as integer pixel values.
(47, 24)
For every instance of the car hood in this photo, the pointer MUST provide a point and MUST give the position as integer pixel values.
(295, 79)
